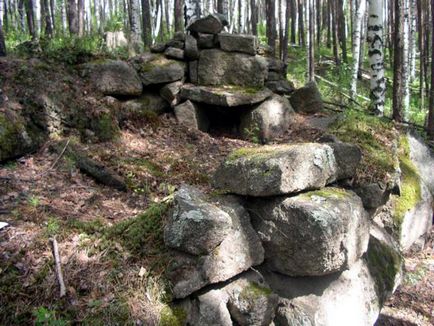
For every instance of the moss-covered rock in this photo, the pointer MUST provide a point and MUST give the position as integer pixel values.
(17, 136)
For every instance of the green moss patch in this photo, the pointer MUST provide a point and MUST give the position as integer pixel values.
(255, 291)
(410, 183)
(329, 192)
(375, 136)
(143, 235)
(384, 264)
(172, 316)
(256, 152)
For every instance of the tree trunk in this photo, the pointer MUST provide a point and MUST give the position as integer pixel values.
(254, 9)
(80, 7)
(405, 60)
(293, 20)
(146, 22)
(286, 34)
(310, 40)
(2, 40)
(136, 45)
(398, 87)
(271, 24)
(21, 14)
(421, 35)
(431, 98)
(30, 19)
(223, 7)
(179, 22)
(301, 40)
(357, 32)
(47, 18)
(412, 44)
(342, 29)
(335, 37)
(376, 56)
(72, 17)
(53, 14)
(192, 11)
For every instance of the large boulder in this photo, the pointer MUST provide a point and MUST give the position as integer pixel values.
(282, 86)
(423, 158)
(212, 241)
(238, 43)
(113, 77)
(268, 120)
(218, 67)
(191, 50)
(174, 53)
(156, 69)
(207, 41)
(246, 300)
(228, 96)
(312, 234)
(210, 24)
(192, 116)
(285, 169)
(340, 299)
(307, 99)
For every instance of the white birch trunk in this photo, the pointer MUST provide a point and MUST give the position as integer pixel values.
(406, 59)
(413, 14)
(192, 11)
(357, 32)
(310, 24)
(376, 56)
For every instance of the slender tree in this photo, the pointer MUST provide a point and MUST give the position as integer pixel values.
(357, 32)
(80, 11)
(146, 23)
(310, 14)
(2, 38)
(136, 44)
(254, 17)
(342, 29)
(376, 56)
(223, 7)
(179, 22)
(398, 58)
(431, 98)
(72, 16)
(271, 23)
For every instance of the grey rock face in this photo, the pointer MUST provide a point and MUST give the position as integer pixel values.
(210, 24)
(282, 86)
(268, 120)
(207, 41)
(191, 50)
(275, 65)
(174, 53)
(192, 71)
(275, 76)
(177, 44)
(373, 195)
(156, 69)
(231, 244)
(218, 67)
(312, 234)
(348, 157)
(340, 299)
(147, 102)
(277, 170)
(247, 300)
(307, 99)
(113, 77)
(171, 92)
(238, 43)
(191, 115)
(423, 159)
(224, 96)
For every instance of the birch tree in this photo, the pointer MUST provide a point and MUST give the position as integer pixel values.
(376, 56)
(398, 59)
(357, 32)
(406, 58)
(431, 98)
(192, 11)
(310, 15)
(2, 38)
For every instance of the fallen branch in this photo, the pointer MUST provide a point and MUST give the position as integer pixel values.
(58, 265)
(341, 92)
(56, 161)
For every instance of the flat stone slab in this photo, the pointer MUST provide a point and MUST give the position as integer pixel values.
(217, 68)
(238, 43)
(312, 234)
(286, 169)
(228, 96)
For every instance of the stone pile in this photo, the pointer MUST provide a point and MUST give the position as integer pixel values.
(204, 72)
(288, 246)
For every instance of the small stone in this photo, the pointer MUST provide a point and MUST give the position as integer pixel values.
(274, 76)
(282, 87)
(171, 92)
(307, 99)
(174, 53)
(192, 71)
(190, 115)
(207, 41)
(179, 36)
(158, 47)
(175, 44)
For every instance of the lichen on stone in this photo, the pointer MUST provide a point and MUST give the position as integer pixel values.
(255, 291)
(172, 316)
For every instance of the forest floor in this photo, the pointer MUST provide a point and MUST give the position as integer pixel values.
(110, 241)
